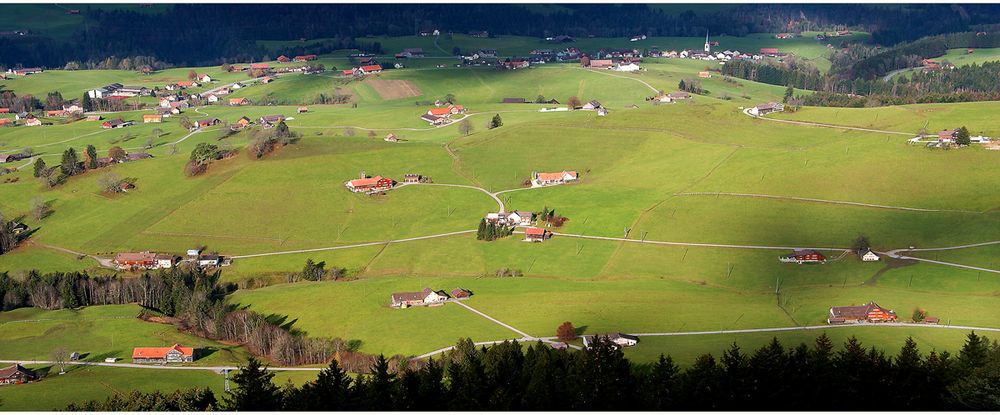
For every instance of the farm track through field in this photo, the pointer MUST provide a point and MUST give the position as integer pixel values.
(836, 202)
(815, 124)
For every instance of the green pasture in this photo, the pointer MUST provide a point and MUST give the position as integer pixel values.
(976, 116)
(80, 384)
(97, 333)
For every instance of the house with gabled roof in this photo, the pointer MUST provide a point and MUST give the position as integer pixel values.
(425, 297)
(172, 354)
(535, 234)
(868, 313)
(16, 374)
(370, 184)
(550, 179)
(803, 256)
(764, 109)
(520, 218)
(618, 339)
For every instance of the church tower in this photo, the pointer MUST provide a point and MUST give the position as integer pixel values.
(708, 46)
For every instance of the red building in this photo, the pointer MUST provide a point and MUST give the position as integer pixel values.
(304, 58)
(370, 184)
(283, 59)
(800, 256)
(868, 313)
(16, 374)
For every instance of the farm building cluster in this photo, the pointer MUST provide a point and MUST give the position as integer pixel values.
(427, 297)
(553, 179)
(868, 313)
(441, 115)
(146, 260)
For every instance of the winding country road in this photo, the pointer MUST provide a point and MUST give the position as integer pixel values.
(808, 199)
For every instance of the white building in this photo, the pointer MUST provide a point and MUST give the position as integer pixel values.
(870, 256)
(628, 67)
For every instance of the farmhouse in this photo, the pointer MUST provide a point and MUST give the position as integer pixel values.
(73, 109)
(764, 109)
(772, 52)
(869, 256)
(627, 67)
(434, 119)
(679, 95)
(302, 110)
(800, 256)
(868, 313)
(259, 66)
(520, 218)
(391, 138)
(592, 105)
(31, 121)
(460, 293)
(704, 74)
(16, 374)
(283, 59)
(147, 118)
(370, 184)
(208, 122)
(204, 77)
(269, 121)
(143, 260)
(7, 158)
(425, 297)
(550, 179)
(947, 136)
(172, 354)
(619, 339)
(238, 101)
(116, 123)
(304, 58)
(534, 234)
(411, 53)
(25, 71)
(412, 178)
(208, 260)
(56, 113)
(601, 63)
(212, 98)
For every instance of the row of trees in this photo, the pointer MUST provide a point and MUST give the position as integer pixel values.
(508, 377)
(193, 300)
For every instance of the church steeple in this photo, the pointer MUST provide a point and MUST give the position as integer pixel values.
(708, 46)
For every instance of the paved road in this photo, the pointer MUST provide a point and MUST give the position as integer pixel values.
(492, 195)
(946, 248)
(814, 124)
(333, 248)
(807, 199)
(524, 336)
(767, 247)
(952, 264)
(104, 262)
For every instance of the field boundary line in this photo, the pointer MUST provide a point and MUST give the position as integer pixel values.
(809, 199)
(333, 248)
(816, 124)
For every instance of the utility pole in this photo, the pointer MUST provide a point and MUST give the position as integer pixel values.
(226, 372)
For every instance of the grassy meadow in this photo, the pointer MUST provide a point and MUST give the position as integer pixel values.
(635, 164)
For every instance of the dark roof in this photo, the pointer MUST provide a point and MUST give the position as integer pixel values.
(411, 296)
(9, 371)
(856, 312)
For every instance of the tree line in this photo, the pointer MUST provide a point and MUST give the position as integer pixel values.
(192, 300)
(508, 376)
(209, 34)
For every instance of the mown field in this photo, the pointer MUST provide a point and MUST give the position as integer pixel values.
(638, 168)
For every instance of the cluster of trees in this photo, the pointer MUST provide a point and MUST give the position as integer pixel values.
(496, 122)
(26, 103)
(550, 217)
(789, 73)
(8, 240)
(317, 271)
(193, 300)
(508, 377)
(691, 85)
(491, 231)
(203, 155)
(265, 140)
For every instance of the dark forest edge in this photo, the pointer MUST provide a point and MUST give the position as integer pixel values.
(216, 33)
(856, 76)
(508, 376)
